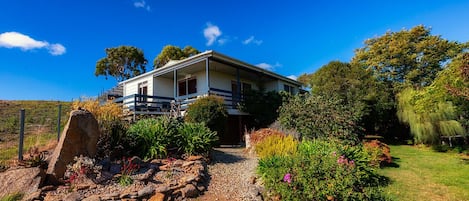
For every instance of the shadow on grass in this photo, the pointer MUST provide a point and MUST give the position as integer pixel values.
(393, 164)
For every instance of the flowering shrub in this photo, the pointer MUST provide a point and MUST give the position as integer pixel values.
(322, 170)
(84, 168)
(276, 145)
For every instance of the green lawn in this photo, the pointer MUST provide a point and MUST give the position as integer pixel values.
(423, 174)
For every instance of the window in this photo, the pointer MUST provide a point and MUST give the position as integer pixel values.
(143, 90)
(187, 86)
(288, 88)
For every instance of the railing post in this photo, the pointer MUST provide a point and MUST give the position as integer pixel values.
(20, 146)
(58, 121)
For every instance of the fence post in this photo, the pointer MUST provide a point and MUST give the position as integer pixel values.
(20, 147)
(58, 122)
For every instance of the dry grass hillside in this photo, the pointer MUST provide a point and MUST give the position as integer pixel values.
(40, 124)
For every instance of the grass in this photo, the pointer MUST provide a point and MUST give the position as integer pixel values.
(9, 150)
(422, 174)
(12, 197)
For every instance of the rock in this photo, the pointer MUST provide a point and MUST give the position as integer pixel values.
(92, 198)
(36, 195)
(145, 176)
(252, 180)
(105, 164)
(72, 197)
(147, 190)
(162, 189)
(79, 137)
(189, 191)
(110, 196)
(24, 180)
(82, 186)
(157, 197)
(136, 160)
(185, 164)
(129, 199)
(177, 163)
(48, 188)
(194, 158)
(165, 167)
(201, 188)
(187, 179)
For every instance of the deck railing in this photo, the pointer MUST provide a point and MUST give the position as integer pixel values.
(161, 104)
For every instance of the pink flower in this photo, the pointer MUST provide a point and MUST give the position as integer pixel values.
(287, 178)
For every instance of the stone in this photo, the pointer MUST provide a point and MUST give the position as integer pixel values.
(252, 180)
(185, 164)
(129, 199)
(162, 189)
(74, 196)
(201, 187)
(188, 179)
(92, 198)
(164, 168)
(110, 196)
(115, 168)
(194, 158)
(80, 137)
(145, 176)
(136, 160)
(48, 188)
(147, 190)
(158, 197)
(189, 191)
(24, 180)
(36, 195)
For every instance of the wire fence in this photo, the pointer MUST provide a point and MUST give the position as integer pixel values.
(35, 123)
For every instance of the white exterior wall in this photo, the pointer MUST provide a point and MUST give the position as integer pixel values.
(223, 81)
(131, 87)
(163, 87)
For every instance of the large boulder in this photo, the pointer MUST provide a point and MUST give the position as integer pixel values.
(79, 137)
(25, 180)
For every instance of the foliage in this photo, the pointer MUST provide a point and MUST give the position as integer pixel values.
(128, 168)
(356, 87)
(322, 170)
(407, 57)
(262, 106)
(417, 175)
(459, 72)
(122, 63)
(12, 197)
(195, 138)
(379, 152)
(171, 52)
(276, 145)
(153, 137)
(209, 110)
(428, 120)
(319, 117)
(113, 141)
(82, 169)
(108, 111)
(261, 134)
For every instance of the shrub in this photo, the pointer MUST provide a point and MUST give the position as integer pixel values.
(262, 106)
(380, 153)
(209, 110)
(113, 141)
(322, 170)
(153, 137)
(195, 138)
(276, 145)
(259, 135)
(316, 117)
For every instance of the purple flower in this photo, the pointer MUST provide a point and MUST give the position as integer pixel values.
(287, 178)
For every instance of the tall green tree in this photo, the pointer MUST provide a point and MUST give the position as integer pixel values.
(171, 52)
(407, 57)
(121, 62)
(353, 86)
(437, 110)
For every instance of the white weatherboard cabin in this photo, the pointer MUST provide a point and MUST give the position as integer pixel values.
(208, 73)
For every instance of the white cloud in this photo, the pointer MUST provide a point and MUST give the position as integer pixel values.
(56, 49)
(269, 66)
(293, 77)
(211, 33)
(252, 39)
(222, 41)
(24, 42)
(142, 4)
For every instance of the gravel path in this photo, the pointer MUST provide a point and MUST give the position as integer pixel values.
(231, 176)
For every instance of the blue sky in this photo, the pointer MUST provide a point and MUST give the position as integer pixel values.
(49, 48)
